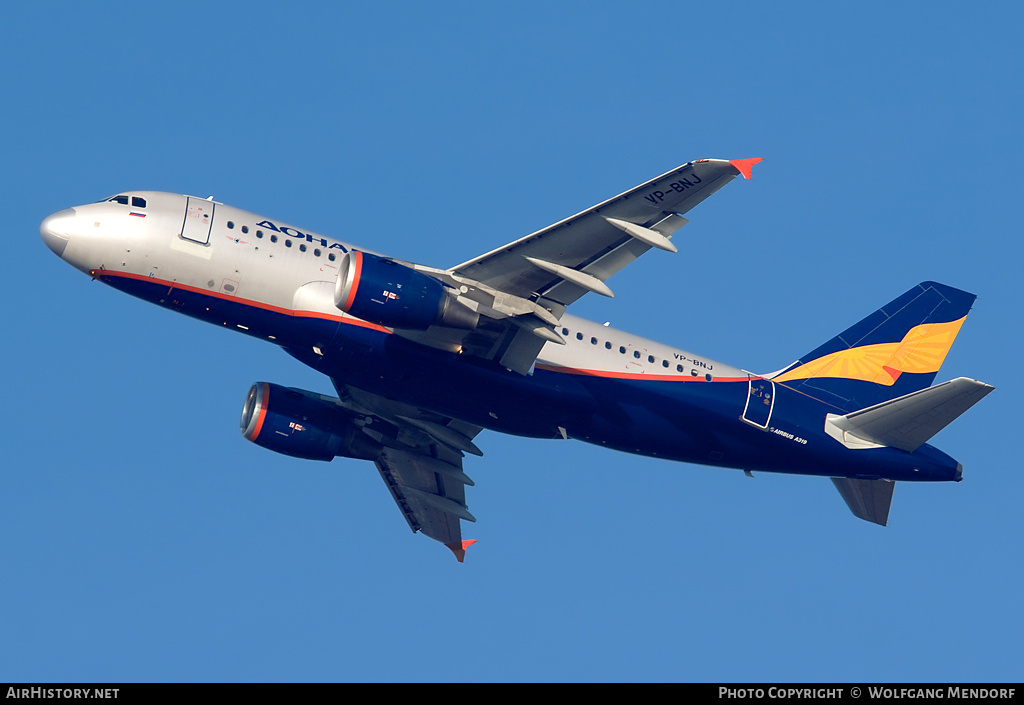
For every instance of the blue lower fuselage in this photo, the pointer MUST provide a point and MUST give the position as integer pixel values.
(685, 419)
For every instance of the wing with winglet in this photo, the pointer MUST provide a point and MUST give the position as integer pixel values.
(421, 463)
(566, 260)
(522, 289)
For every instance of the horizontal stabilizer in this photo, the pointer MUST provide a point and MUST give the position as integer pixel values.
(908, 421)
(867, 499)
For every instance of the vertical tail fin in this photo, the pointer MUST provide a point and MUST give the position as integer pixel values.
(896, 350)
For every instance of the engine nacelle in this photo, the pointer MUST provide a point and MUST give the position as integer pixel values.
(382, 291)
(302, 424)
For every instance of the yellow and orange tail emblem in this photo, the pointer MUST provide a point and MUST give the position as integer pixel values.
(922, 350)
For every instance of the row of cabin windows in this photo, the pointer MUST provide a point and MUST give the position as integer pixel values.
(636, 354)
(287, 243)
(137, 202)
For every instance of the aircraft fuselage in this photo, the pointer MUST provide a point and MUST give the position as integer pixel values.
(274, 281)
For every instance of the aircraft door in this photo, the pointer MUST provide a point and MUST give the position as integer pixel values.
(198, 219)
(760, 401)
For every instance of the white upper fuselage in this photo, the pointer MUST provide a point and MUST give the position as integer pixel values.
(213, 248)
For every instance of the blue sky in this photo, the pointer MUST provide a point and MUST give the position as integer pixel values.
(143, 539)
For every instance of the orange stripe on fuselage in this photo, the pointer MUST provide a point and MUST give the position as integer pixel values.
(679, 377)
(248, 302)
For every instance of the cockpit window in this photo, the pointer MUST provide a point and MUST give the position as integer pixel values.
(136, 201)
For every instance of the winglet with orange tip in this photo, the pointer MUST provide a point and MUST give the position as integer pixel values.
(745, 166)
(459, 549)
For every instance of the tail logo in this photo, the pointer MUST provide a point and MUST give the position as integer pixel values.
(922, 350)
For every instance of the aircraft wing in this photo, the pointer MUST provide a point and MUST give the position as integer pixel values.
(430, 491)
(564, 261)
(522, 289)
(421, 463)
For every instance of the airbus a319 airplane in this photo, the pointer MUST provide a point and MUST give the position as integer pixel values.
(423, 359)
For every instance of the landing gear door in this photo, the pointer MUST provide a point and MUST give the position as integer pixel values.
(760, 401)
(198, 219)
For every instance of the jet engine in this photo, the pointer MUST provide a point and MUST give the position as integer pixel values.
(383, 291)
(303, 425)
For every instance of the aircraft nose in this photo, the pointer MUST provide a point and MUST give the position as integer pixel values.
(55, 230)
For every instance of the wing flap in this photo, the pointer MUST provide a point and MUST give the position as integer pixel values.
(420, 462)
(430, 492)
